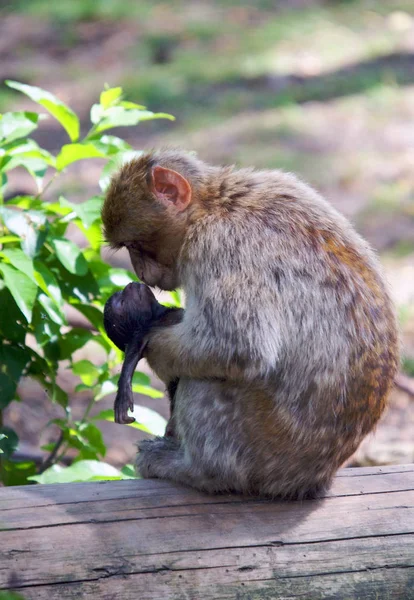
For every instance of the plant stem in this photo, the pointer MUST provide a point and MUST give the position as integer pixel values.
(49, 183)
(91, 132)
(62, 454)
(1, 455)
(51, 459)
(88, 408)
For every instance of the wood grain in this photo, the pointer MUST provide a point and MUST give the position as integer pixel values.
(150, 540)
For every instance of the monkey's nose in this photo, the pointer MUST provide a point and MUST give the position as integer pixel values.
(132, 288)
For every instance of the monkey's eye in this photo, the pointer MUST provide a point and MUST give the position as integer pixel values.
(134, 246)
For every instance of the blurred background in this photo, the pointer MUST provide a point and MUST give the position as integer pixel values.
(321, 88)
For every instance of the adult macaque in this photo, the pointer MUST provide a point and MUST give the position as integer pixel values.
(128, 317)
(288, 346)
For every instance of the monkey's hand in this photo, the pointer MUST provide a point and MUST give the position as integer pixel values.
(173, 352)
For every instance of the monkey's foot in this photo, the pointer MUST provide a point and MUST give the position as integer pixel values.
(156, 457)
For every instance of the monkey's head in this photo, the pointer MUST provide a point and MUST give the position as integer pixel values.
(147, 208)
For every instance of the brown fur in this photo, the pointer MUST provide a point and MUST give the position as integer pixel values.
(288, 347)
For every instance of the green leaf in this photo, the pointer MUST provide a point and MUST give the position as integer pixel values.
(22, 289)
(56, 208)
(20, 261)
(83, 470)
(23, 201)
(139, 378)
(110, 96)
(3, 182)
(87, 371)
(140, 382)
(118, 116)
(408, 365)
(92, 313)
(88, 212)
(84, 288)
(108, 387)
(104, 415)
(25, 145)
(129, 471)
(62, 113)
(16, 473)
(73, 340)
(128, 104)
(175, 300)
(48, 283)
(3, 439)
(115, 278)
(75, 440)
(93, 234)
(46, 332)
(111, 144)
(93, 435)
(147, 390)
(28, 153)
(146, 419)
(15, 220)
(31, 226)
(7, 239)
(15, 125)
(38, 368)
(52, 309)
(96, 114)
(33, 162)
(74, 152)
(56, 394)
(12, 326)
(70, 256)
(9, 442)
(103, 342)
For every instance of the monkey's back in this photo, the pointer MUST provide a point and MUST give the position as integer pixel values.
(296, 299)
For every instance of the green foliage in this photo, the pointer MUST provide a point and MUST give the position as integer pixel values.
(7, 595)
(83, 470)
(408, 365)
(42, 272)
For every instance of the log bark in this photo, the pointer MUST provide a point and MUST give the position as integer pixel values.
(149, 539)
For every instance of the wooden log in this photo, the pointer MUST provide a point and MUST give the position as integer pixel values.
(150, 540)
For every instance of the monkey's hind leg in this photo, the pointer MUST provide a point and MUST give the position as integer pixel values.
(164, 458)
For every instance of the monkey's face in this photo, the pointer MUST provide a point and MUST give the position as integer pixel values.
(151, 271)
(145, 210)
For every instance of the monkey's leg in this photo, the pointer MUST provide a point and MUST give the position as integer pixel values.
(207, 454)
(171, 389)
(220, 447)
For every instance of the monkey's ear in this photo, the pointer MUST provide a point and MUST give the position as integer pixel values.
(171, 188)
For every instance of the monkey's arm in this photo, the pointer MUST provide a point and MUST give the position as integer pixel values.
(172, 352)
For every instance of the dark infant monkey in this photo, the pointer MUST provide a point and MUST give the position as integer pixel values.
(128, 317)
(287, 349)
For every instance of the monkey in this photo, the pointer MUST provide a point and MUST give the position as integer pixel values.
(128, 315)
(288, 346)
